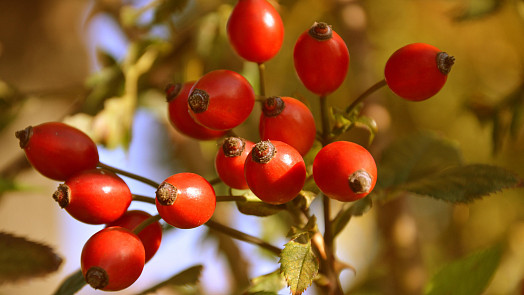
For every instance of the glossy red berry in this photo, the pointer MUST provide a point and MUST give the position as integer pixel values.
(344, 171)
(177, 95)
(230, 159)
(255, 30)
(417, 71)
(57, 150)
(289, 120)
(321, 59)
(94, 196)
(151, 235)
(112, 259)
(221, 100)
(275, 171)
(185, 200)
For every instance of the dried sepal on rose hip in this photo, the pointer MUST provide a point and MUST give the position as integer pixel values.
(112, 259)
(321, 59)
(185, 200)
(275, 171)
(417, 71)
(255, 30)
(230, 159)
(58, 150)
(344, 171)
(95, 196)
(289, 120)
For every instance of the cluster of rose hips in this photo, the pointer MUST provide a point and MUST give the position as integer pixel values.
(208, 109)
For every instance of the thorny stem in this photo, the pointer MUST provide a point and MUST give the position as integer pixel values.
(334, 287)
(261, 75)
(365, 94)
(129, 174)
(242, 236)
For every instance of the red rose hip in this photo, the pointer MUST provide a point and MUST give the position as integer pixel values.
(185, 200)
(321, 59)
(275, 171)
(151, 235)
(344, 171)
(94, 196)
(230, 159)
(221, 100)
(178, 112)
(255, 30)
(112, 259)
(58, 150)
(289, 120)
(417, 71)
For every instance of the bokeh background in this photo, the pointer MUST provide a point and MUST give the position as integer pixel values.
(65, 60)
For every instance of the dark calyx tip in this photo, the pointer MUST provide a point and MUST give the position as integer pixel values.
(62, 195)
(166, 194)
(97, 277)
(445, 62)
(233, 146)
(263, 152)
(24, 136)
(321, 31)
(360, 182)
(198, 100)
(272, 106)
(172, 90)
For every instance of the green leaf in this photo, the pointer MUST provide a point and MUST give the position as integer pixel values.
(478, 8)
(469, 275)
(269, 283)
(11, 102)
(343, 217)
(306, 232)
(23, 259)
(370, 125)
(72, 284)
(299, 265)
(189, 276)
(167, 9)
(415, 157)
(464, 184)
(254, 206)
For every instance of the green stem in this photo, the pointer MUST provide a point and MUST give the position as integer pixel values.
(230, 198)
(144, 199)
(261, 75)
(324, 116)
(146, 223)
(365, 94)
(243, 236)
(129, 174)
(215, 181)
